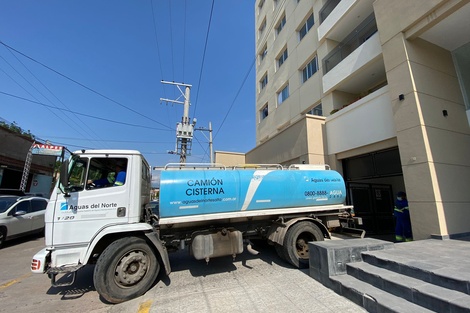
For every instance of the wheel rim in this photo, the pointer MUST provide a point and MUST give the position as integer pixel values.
(301, 245)
(131, 268)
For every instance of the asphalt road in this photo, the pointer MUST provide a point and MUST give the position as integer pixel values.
(262, 283)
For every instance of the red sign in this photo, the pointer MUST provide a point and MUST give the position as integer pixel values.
(47, 149)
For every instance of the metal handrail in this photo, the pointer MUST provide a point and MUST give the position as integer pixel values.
(259, 166)
(194, 166)
(353, 41)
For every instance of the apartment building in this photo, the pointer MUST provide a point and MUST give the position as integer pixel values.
(380, 91)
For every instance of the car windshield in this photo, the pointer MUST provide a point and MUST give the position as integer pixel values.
(6, 202)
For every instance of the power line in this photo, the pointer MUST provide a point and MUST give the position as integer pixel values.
(49, 92)
(156, 42)
(274, 20)
(110, 140)
(184, 38)
(236, 96)
(171, 44)
(82, 85)
(59, 117)
(203, 57)
(82, 114)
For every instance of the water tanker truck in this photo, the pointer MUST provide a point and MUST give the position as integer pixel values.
(210, 210)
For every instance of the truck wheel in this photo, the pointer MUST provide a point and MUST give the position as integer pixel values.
(126, 269)
(296, 242)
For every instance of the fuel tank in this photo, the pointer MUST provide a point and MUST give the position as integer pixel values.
(193, 192)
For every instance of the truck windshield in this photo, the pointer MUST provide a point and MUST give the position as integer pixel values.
(77, 174)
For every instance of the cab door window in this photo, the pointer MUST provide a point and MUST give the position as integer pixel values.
(106, 172)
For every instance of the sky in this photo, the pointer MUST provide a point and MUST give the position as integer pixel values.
(87, 74)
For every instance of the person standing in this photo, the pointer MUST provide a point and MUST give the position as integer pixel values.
(402, 219)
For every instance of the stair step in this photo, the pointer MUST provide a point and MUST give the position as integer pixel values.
(438, 272)
(371, 298)
(411, 289)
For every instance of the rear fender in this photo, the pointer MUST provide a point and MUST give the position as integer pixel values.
(162, 251)
(277, 232)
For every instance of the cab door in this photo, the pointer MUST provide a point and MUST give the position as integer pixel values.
(19, 218)
(89, 208)
(38, 210)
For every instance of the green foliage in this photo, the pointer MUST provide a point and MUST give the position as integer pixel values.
(16, 129)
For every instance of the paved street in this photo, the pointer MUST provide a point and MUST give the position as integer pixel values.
(22, 291)
(249, 284)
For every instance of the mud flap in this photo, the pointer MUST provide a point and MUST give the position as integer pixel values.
(161, 251)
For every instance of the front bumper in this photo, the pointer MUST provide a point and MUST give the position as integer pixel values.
(39, 261)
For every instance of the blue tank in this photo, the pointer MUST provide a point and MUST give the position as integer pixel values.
(193, 192)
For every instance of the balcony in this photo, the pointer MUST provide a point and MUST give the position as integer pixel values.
(327, 9)
(339, 17)
(356, 38)
(360, 70)
(367, 121)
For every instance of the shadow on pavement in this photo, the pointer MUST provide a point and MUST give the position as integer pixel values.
(83, 284)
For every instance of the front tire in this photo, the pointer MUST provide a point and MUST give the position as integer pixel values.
(126, 269)
(296, 241)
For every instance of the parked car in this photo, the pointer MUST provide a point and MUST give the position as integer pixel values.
(20, 216)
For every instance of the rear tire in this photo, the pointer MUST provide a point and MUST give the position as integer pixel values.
(296, 241)
(126, 269)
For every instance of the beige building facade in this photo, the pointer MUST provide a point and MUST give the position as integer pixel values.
(379, 90)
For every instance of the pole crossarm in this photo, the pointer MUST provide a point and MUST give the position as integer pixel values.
(171, 101)
(177, 84)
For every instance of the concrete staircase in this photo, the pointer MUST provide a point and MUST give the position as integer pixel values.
(421, 276)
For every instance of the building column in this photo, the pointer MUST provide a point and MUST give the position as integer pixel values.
(433, 140)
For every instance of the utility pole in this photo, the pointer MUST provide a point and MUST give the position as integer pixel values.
(184, 130)
(210, 140)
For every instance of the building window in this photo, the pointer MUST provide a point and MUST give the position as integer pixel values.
(282, 58)
(317, 110)
(262, 28)
(263, 53)
(264, 81)
(306, 27)
(310, 69)
(263, 113)
(260, 6)
(281, 24)
(283, 95)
